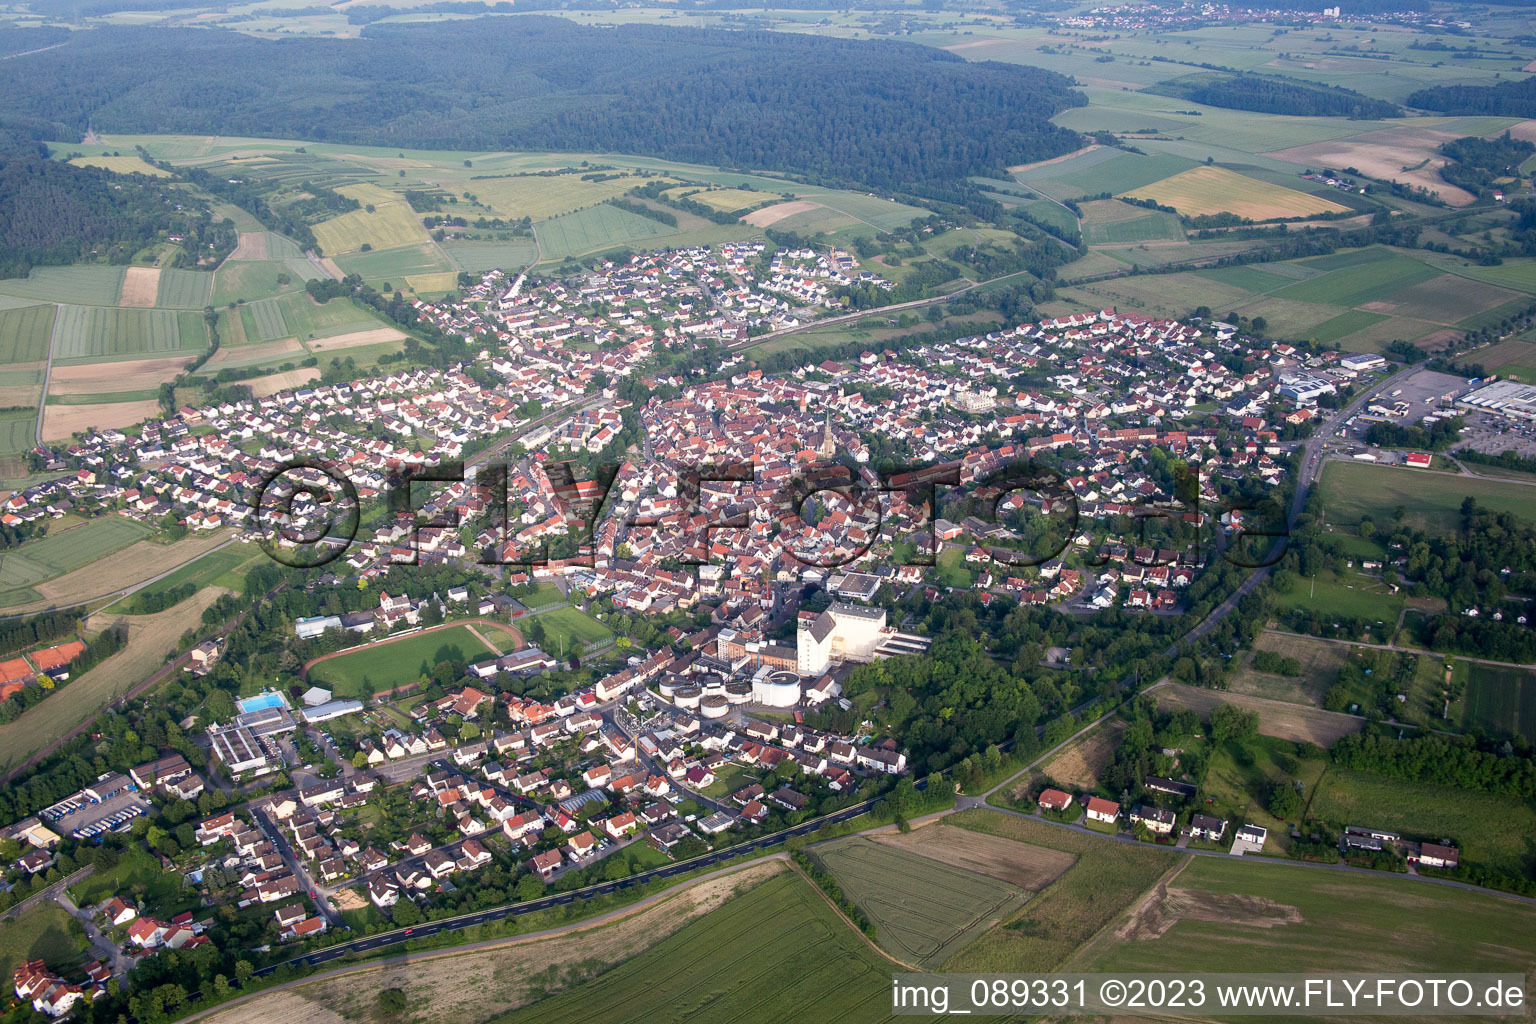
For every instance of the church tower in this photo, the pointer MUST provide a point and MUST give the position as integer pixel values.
(828, 446)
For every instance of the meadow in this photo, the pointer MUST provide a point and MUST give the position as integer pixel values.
(121, 165)
(1209, 190)
(184, 289)
(1239, 778)
(256, 279)
(44, 931)
(1491, 830)
(478, 257)
(87, 333)
(25, 333)
(18, 431)
(1431, 502)
(394, 265)
(1214, 902)
(924, 911)
(1105, 880)
(1350, 594)
(1501, 700)
(217, 568)
(389, 225)
(775, 953)
(88, 285)
(1320, 660)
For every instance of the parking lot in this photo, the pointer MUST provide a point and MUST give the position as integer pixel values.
(1494, 435)
(85, 820)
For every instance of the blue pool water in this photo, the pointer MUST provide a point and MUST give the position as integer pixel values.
(261, 702)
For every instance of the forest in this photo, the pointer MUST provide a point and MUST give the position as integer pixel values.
(1507, 99)
(1478, 162)
(1275, 96)
(878, 113)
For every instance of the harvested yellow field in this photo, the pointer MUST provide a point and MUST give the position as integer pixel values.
(120, 165)
(366, 193)
(261, 387)
(256, 353)
(390, 224)
(109, 378)
(770, 215)
(727, 199)
(61, 422)
(253, 246)
(356, 339)
(140, 286)
(139, 561)
(1207, 190)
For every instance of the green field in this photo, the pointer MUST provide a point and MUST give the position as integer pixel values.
(478, 257)
(394, 265)
(1376, 924)
(1491, 830)
(1240, 776)
(217, 568)
(65, 551)
(389, 225)
(1374, 275)
(255, 279)
(44, 931)
(1344, 324)
(544, 594)
(24, 333)
(593, 230)
(1154, 226)
(1351, 595)
(924, 912)
(1100, 170)
(1105, 880)
(1431, 502)
(184, 289)
(565, 627)
(398, 662)
(1501, 700)
(18, 431)
(543, 197)
(88, 333)
(306, 319)
(88, 285)
(263, 320)
(774, 954)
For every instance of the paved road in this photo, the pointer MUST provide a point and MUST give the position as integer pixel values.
(116, 962)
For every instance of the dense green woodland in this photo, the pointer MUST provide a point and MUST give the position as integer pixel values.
(1275, 96)
(875, 112)
(1507, 99)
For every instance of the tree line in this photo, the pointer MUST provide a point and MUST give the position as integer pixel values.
(1264, 95)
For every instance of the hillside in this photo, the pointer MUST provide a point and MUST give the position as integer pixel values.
(879, 113)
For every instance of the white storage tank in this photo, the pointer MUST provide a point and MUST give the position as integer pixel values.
(714, 706)
(780, 690)
(738, 693)
(669, 686)
(687, 697)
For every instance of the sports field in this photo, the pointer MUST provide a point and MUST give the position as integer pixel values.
(1208, 190)
(1431, 502)
(393, 663)
(1501, 701)
(64, 551)
(1275, 917)
(24, 333)
(924, 911)
(776, 953)
(565, 627)
(595, 229)
(387, 226)
(92, 332)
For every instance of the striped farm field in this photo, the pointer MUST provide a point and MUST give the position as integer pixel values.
(94, 332)
(65, 551)
(478, 257)
(264, 320)
(87, 285)
(545, 196)
(24, 333)
(1208, 190)
(17, 431)
(1502, 700)
(595, 229)
(184, 289)
(924, 911)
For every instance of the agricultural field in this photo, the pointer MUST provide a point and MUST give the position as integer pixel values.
(25, 333)
(1078, 765)
(221, 568)
(1280, 720)
(86, 285)
(924, 911)
(394, 265)
(565, 627)
(1111, 222)
(44, 931)
(723, 199)
(593, 230)
(307, 320)
(1276, 917)
(778, 952)
(18, 430)
(478, 257)
(184, 289)
(150, 639)
(1501, 700)
(391, 663)
(1209, 190)
(1095, 171)
(389, 225)
(1491, 830)
(1104, 880)
(1006, 860)
(488, 982)
(86, 333)
(1430, 502)
(62, 551)
(544, 197)
(1320, 660)
(121, 165)
(257, 279)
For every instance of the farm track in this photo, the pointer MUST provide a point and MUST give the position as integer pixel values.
(53, 337)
